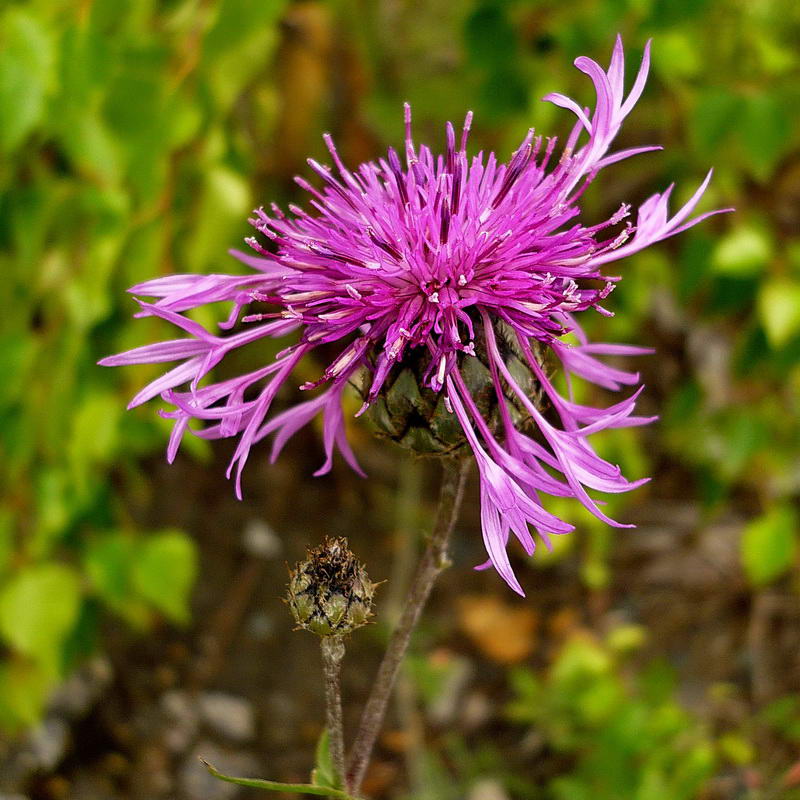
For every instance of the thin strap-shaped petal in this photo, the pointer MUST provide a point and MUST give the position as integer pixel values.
(158, 353)
(639, 82)
(566, 102)
(175, 377)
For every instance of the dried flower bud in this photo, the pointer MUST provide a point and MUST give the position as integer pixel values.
(330, 593)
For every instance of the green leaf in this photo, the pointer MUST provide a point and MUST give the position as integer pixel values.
(677, 56)
(234, 54)
(93, 438)
(90, 145)
(109, 564)
(84, 66)
(276, 786)
(26, 61)
(714, 120)
(223, 206)
(779, 310)
(743, 434)
(505, 91)
(743, 252)
(55, 507)
(164, 570)
(763, 131)
(7, 517)
(24, 689)
(769, 544)
(670, 12)
(736, 748)
(694, 263)
(183, 122)
(38, 609)
(489, 36)
(783, 715)
(17, 355)
(324, 773)
(94, 429)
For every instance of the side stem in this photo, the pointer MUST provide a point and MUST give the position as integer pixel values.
(433, 562)
(332, 654)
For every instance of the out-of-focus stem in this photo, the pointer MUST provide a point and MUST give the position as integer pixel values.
(407, 518)
(433, 562)
(332, 655)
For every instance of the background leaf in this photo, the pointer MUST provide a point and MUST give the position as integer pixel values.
(769, 544)
(26, 63)
(164, 569)
(38, 609)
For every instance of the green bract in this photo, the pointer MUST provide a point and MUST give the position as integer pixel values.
(417, 418)
(330, 593)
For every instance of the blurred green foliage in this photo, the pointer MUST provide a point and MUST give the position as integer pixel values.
(627, 738)
(598, 723)
(134, 137)
(117, 164)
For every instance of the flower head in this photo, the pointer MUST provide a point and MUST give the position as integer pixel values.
(435, 261)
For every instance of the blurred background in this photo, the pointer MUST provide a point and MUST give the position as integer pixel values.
(140, 616)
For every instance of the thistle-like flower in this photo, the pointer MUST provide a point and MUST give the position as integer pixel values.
(434, 265)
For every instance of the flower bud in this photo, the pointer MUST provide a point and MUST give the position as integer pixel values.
(417, 418)
(330, 593)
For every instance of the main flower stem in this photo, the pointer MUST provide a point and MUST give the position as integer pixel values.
(332, 655)
(433, 562)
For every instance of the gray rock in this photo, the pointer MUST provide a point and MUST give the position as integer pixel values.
(86, 785)
(228, 715)
(182, 717)
(41, 750)
(259, 540)
(196, 783)
(151, 776)
(260, 626)
(80, 692)
(710, 350)
(476, 710)
(47, 743)
(444, 708)
(487, 789)
(282, 709)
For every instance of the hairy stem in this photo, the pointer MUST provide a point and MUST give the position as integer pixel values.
(332, 655)
(433, 562)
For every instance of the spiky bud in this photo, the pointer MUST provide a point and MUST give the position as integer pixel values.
(330, 593)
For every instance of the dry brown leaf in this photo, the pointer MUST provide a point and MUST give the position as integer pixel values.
(792, 777)
(396, 741)
(381, 776)
(504, 632)
(564, 622)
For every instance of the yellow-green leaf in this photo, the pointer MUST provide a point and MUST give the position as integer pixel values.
(769, 544)
(779, 310)
(38, 609)
(164, 570)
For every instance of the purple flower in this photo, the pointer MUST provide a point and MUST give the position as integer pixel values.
(434, 256)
